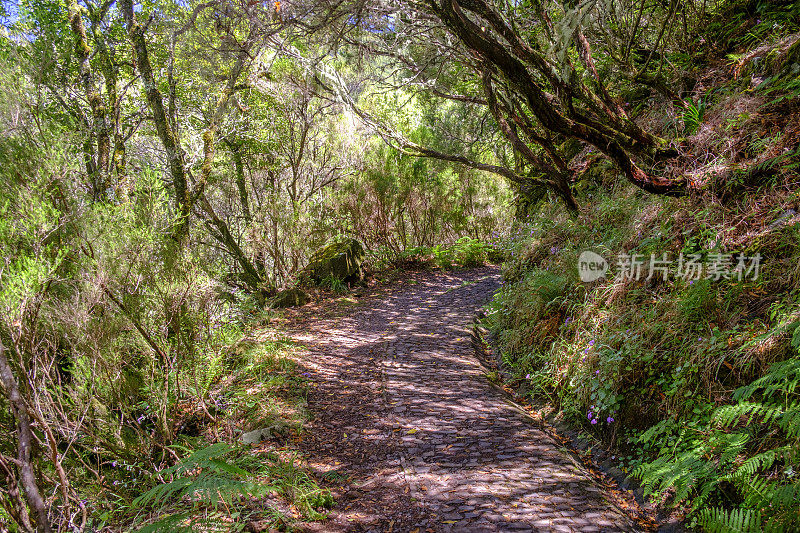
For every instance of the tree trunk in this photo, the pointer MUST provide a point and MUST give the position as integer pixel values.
(24, 445)
(99, 126)
(165, 132)
(241, 183)
(252, 276)
(601, 124)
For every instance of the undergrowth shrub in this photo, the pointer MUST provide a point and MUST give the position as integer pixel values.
(199, 485)
(693, 381)
(122, 342)
(746, 456)
(465, 252)
(202, 488)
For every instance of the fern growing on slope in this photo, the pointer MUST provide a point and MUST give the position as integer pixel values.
(748, 461)
(199, 486)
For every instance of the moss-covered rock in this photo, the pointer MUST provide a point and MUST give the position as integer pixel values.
(294, 297)
(339, 260)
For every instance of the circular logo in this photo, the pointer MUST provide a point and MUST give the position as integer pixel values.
(591, 266)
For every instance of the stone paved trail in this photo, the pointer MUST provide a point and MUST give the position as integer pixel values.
(421, 440)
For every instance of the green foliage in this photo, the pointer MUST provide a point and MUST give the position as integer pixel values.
(786, 161)
(641, 363)
(334, 284)
(743, 23)
(312, 500)
(466, 252)
(781, 89)
(717, 520)
(693, 117)
(136, 346)
(698, 301)
(204, 480)
(750, 445)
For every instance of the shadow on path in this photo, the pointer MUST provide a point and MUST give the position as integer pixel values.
(403, 412)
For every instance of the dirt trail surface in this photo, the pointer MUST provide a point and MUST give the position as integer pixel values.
(406, 421)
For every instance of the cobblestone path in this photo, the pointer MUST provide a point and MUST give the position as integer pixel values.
(406, 420)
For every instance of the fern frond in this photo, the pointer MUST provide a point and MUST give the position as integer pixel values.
(683, 473)
(744, 413)
(790, 420)
(731, 445)
(202, 480)
(782, 378)
(759, 462)
(718, 520)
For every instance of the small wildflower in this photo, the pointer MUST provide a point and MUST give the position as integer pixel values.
(609, 420)
(589, 415)
(596, 372)
(591, 342)
(594, 421)
(527, 376)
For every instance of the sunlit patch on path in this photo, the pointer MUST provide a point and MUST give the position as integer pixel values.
(406, 420)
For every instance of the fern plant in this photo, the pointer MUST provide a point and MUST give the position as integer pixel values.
(200, 485)
(693, 117)
(748, 461)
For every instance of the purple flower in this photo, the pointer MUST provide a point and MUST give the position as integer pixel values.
(591, 342)
(609, 419)
(594, 421)
(527, 376)
(590, 415)
(596, 372)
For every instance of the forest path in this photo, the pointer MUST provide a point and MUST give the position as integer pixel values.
(405, 421)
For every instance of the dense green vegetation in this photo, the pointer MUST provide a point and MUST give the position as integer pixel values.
(692, 380)
(167, 169)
